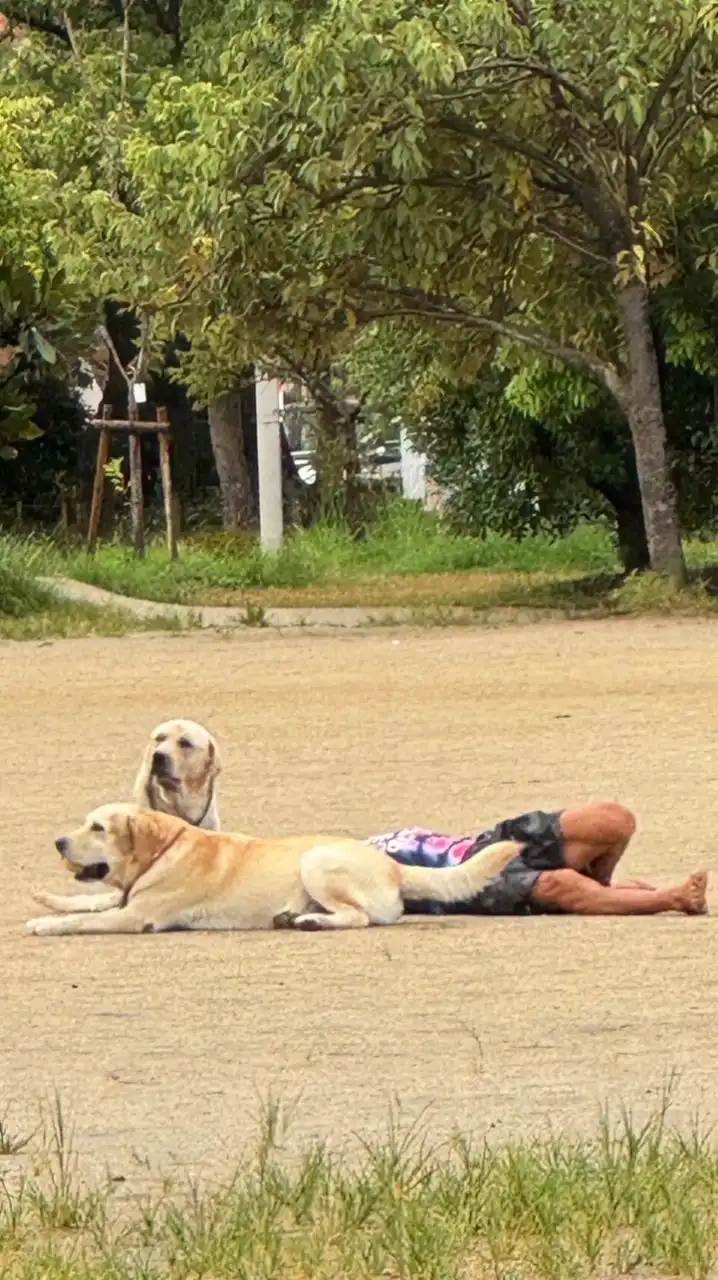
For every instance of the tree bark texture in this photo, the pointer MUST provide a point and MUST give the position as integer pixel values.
(644, 409)
(338, 463)
(235, 484)
(631, 536)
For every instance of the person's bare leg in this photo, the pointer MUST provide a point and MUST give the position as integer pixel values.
(576, 894)
(596, 838)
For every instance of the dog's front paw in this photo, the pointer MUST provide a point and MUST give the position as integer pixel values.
(45, 899)
(41, 926)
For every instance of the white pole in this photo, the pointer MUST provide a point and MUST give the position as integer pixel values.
(269, 464)
(413, 470)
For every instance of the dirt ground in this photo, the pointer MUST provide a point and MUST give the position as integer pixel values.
(162, 1047)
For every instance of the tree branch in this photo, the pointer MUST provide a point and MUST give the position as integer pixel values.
(663, 89)
(551, 228)
(105, 335)
(125, 62)
(537, 71)
(434, 306)
(519, 12)
(562, 179)
(682, 122)
(71, 36)
(509, 142)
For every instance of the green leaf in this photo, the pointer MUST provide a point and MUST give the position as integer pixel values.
(30, 432)
(44, 349)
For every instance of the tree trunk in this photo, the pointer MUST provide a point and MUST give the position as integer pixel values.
(338, 464)
(624, 498)
(644, 409)
(632, 541)
(235, 485)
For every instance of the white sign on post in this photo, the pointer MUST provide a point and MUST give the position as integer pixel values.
(269, 464)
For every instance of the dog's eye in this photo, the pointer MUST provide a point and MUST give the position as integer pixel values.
(97, 826)
(185, 744)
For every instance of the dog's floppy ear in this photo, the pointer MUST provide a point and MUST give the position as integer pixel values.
(155, 833)
(131, 834)
(214, 759)
(141, 791)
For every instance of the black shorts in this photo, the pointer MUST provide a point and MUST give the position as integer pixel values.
(509, 894)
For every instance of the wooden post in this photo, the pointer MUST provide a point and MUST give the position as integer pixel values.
(103, 453)
(137, 506)
(166, 473)
(177, 514)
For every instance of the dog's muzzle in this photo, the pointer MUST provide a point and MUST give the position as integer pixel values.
(94, 871)
(161, 771)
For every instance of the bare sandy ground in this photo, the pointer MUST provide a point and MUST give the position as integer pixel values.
(163, 1047)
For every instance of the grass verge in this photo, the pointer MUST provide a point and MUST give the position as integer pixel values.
(406, 544)
(637, 1199)
(408, 560)
(29, 611)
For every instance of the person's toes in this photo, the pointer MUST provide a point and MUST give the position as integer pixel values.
(696, 888)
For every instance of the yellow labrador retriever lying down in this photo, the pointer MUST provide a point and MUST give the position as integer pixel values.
(166, 874)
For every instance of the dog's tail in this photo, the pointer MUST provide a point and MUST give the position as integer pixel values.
(457, 884)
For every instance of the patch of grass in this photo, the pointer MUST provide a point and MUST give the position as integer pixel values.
(405, 542)
(638, 1198)
(408, 560)
(29, 611)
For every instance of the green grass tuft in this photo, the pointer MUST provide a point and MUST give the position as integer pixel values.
(30, 611)
(636, 1199)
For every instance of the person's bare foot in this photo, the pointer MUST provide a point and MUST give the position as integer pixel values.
(692, 894)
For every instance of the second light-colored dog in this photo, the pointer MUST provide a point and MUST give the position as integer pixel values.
(179, 772)
(166, 874)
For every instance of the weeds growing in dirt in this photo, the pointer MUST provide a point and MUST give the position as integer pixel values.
(12, 1140)
(409, 559)
(637, 1198)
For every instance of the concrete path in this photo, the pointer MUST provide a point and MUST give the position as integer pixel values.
(311, 617)
(227, 616)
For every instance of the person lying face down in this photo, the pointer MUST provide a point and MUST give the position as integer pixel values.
(565, 863)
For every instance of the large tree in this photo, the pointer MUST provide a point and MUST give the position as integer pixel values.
(545, 448)
(504, 166)
(124, 240)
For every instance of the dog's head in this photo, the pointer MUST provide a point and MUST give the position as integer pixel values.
(118, 843)
(182, 760)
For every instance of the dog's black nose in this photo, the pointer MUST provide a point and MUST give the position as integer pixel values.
(61, 845)
(159, 760)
